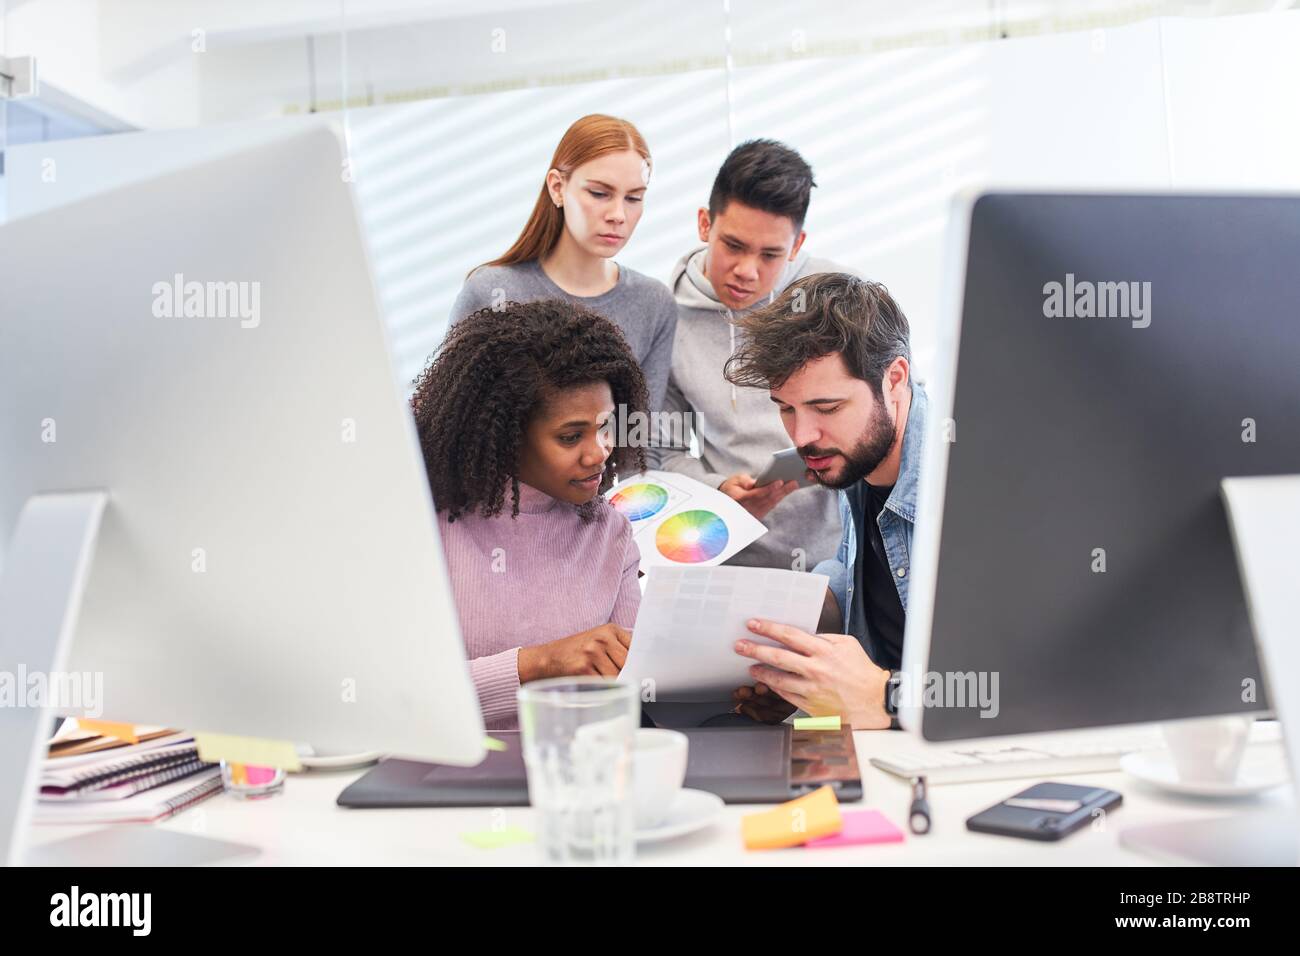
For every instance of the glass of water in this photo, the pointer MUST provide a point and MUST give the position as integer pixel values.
(577, 737)
(251, 783)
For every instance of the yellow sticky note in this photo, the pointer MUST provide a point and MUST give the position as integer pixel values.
(107, 728)
(253, 751)
(495, 839)
(817, 723)
(491, 743)
(813, 815)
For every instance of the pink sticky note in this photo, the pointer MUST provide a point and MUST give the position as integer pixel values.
(860, 827)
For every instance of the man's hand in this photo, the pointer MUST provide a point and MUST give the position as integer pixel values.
(758, 500)
(762, 704)
(823, 674)
(600, 651)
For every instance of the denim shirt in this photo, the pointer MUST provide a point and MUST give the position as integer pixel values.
(896, 522)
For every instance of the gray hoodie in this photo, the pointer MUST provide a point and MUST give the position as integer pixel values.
(738, 429)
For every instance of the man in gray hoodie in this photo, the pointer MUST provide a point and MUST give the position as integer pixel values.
(753, 235)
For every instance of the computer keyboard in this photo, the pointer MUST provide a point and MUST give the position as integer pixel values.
(1050, 756)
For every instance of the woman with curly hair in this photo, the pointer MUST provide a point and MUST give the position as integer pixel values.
(588, 206)
(514, 416)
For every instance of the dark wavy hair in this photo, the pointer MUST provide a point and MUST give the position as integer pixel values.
(494, 370)
(815, 316)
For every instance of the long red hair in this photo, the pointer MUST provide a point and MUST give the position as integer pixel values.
(586, 139)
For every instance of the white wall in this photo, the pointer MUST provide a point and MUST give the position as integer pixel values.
(67, 39)
(1234, 102)
(446, 183)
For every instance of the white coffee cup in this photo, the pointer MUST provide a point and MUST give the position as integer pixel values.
(1208, 749)
(658, 772)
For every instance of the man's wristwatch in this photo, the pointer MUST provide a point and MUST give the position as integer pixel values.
(891, 695)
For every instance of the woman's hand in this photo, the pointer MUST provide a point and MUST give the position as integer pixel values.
(600, 651)
(762, 704)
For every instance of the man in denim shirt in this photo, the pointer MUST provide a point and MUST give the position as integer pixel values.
(833, 352)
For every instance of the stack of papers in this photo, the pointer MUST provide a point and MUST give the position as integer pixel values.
(91, 777)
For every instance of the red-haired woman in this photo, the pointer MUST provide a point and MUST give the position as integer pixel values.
(588, 208)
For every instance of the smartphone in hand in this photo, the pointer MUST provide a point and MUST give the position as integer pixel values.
(786, 465)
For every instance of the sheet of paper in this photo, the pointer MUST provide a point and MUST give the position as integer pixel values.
(690, 619)
(680, 522)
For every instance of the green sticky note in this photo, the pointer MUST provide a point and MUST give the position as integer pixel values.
(253, 751)
(817, 723)
(491, 743)
(495, 839)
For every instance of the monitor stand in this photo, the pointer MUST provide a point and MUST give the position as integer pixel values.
(41, 588)
(138, 844)
(1263, 838)
(1264, 515)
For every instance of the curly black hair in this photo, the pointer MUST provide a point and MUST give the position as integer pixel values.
(475, 398)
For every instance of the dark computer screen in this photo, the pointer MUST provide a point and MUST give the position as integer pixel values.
(1118, 356)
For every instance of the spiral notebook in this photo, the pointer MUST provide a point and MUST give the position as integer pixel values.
(116, 785)
(154, 804)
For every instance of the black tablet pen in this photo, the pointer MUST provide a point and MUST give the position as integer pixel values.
(918, 817)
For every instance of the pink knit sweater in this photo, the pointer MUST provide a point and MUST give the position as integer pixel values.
(533, 578)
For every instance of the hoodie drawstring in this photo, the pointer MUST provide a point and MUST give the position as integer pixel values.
(731, 324)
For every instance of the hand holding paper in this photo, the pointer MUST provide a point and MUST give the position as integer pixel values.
(822, 674)
(683, 643)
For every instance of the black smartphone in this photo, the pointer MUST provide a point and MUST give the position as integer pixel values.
(1046, 811)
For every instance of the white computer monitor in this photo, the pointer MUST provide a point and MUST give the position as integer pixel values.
(212, 493)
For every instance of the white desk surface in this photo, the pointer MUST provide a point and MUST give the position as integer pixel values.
(304, 826)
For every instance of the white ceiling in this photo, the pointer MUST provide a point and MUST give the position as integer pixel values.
(136, 59)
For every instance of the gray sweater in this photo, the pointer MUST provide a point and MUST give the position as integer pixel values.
(741, 437)
(639, 305)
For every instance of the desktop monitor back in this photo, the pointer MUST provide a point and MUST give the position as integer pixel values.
(206, 348)
(1109, 359)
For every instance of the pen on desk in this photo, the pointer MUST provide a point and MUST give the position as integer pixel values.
(918, 816)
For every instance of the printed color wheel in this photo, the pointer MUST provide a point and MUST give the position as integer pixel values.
(691, 537)
(638, 502)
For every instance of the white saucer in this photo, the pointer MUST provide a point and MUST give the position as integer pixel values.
(1262, 768)
(338, 761)
(692, 810)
